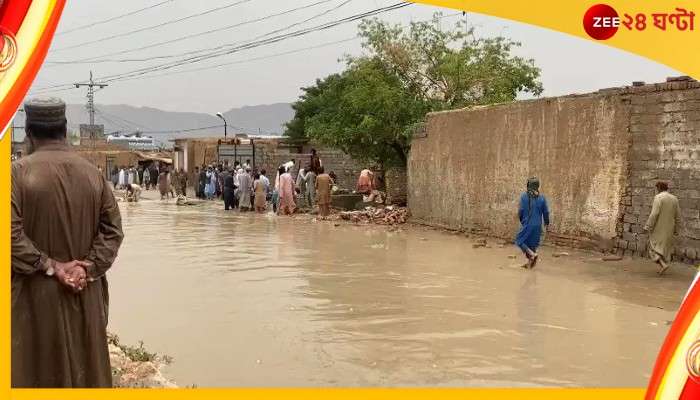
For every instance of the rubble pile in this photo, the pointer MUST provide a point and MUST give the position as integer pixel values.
(131, 370)
(381, 216)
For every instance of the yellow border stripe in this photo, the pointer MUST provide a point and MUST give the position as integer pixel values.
(335, 394)
(677, 49)
(677, 373)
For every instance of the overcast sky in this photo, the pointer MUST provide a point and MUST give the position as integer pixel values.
(569, 64)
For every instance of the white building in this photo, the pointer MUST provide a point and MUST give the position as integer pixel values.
(133, 142)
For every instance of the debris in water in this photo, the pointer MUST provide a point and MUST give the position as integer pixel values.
(479, 243)
(612, 257)
(380, 216)
(560, 254)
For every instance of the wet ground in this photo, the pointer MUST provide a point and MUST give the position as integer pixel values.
(259, 300)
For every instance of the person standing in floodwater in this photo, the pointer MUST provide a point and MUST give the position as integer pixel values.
(153, 174)
(245, 187)
(202, 184)
(163, 184)
(532, 211)
(662, 225)
(260, 191)
(286, 192)
(310, 183)
(183, 182)
(147, 178)
(323, 185)
(229, 190)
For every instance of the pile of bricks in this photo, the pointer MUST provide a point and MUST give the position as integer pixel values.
(381, 216)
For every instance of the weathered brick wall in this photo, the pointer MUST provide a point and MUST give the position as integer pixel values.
(396, 184)
(470, 167)
(665, 145)
(346, 168)
(598, 156)
(271, 156)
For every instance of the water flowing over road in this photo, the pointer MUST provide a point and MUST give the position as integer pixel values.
(259, 300)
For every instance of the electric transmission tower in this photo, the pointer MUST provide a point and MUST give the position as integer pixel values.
(91, 96)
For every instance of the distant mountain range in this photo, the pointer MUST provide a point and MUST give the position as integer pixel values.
(165, 125)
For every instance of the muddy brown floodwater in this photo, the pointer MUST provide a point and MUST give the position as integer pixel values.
(257, 300)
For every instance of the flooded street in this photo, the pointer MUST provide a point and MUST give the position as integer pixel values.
(257, 300)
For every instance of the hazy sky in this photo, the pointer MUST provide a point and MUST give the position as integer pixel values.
(569, 64)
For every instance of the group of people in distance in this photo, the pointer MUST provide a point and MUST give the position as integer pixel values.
(236, 185)
(312, 183)
(133, 179)
(242, 187)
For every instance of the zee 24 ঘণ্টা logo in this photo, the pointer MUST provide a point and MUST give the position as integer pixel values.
(602, 22)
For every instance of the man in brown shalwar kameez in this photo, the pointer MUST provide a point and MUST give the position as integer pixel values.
(323, 193)
(663, 223)
(66, 230)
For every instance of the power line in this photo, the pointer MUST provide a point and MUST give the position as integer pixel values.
(228, 63)
(163, 132)
(104, 21)
(111, 121)
(130, 124)
(246, 60)
(186, 37)
(224, 50)
(250, 45)
(148, 28)
(259, 58)
(91, 85)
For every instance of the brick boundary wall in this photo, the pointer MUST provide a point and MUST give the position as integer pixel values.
(664, 145)
(598, 155)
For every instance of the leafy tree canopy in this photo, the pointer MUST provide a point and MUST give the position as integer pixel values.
(370, 109)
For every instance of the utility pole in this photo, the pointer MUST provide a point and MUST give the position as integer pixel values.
(91, 96)
(91, 85)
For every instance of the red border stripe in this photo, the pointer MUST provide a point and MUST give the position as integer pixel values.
(24, 81)
(12, 14)
(684, 317)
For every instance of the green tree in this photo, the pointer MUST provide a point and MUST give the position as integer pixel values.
(307, 106)
(366, 112)
(370, 109)
(451, 68)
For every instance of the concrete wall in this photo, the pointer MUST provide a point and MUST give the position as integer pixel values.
(665, 145)
(598, 156)
(482, 158)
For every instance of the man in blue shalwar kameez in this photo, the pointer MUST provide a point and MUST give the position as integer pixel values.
(533, 210)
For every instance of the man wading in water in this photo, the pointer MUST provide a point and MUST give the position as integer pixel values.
(66, 230)
(533, 209)
(663, 223)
